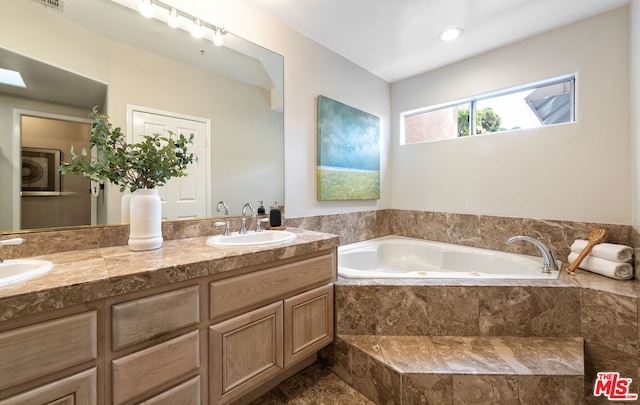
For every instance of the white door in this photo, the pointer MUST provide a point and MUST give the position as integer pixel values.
(182, 197)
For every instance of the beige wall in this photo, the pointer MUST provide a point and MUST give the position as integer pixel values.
(579, 171)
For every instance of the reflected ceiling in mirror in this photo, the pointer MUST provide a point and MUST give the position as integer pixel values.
(143, 62)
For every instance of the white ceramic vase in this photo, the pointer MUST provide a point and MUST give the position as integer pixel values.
(125, 207)
(145, 220)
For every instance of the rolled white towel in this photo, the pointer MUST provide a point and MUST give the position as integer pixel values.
(609, 251)
(619, 271)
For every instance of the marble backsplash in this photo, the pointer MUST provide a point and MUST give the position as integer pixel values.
(482, 231)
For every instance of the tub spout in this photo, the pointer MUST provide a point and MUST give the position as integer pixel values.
(549, 260)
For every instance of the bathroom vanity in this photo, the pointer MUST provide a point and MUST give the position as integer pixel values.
(187, 323)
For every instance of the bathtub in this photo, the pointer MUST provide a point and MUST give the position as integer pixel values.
(401, 257)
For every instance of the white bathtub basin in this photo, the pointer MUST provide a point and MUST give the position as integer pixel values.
(251, 238)
(15, 270)
(400, 257)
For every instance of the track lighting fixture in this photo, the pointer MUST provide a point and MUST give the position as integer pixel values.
(172, 18)
(146, 8)
(196, 29)
(218, 36)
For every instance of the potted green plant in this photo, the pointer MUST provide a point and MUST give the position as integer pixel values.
(135, 167)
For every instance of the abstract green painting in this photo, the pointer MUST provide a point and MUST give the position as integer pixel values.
(348, 152)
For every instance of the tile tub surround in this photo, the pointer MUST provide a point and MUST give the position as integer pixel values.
(87, 275)
(489, 232)
(602, 311)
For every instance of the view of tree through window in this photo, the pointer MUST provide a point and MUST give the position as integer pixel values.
(486, 121)
(529, 106)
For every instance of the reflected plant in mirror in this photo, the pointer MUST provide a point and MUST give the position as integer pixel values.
(234, 92)
(146, 164)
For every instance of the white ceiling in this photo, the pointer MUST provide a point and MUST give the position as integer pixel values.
(396, 39)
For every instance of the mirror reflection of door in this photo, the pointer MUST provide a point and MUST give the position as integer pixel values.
(182, 197)
(70, 205)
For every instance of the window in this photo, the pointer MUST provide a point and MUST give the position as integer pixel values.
(528, 106)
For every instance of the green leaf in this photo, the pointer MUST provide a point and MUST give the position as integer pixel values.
(146, 164)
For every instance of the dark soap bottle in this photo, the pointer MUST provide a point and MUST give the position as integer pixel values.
(261, 210)
(275, 216)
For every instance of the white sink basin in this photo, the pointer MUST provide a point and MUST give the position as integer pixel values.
(12, 271)
(251, 238)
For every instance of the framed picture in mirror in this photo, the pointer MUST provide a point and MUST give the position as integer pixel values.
(40, 174)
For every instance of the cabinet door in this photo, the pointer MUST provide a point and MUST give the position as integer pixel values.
(79, 389)
(244, 352)
(308, 323)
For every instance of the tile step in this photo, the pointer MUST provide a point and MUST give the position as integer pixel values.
(474, 355)
(455, 369)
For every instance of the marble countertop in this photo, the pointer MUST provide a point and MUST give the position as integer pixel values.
(87, 275)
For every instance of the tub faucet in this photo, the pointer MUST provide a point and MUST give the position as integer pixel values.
(549, 260)
(227, 228)
(243, 226)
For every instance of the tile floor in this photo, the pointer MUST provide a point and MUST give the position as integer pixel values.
(315, 385)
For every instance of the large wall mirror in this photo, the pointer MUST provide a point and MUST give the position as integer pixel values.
(103, 52)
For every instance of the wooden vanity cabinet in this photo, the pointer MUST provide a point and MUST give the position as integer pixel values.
(293, 323)
(175, 344)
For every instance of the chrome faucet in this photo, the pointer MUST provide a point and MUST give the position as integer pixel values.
(227, 227)
(243, 226)
(259, 224)
(549, 260)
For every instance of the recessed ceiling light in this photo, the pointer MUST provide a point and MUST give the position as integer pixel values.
(11, 77)
(450, 34)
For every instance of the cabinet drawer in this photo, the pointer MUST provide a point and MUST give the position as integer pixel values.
(308, 323)
(143, 371)
(230, 296)
(145, 318)
(35, 351)
(186, 393)
(78, 389)
(244, 352)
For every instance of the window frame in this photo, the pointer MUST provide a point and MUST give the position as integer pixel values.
(472, 101)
